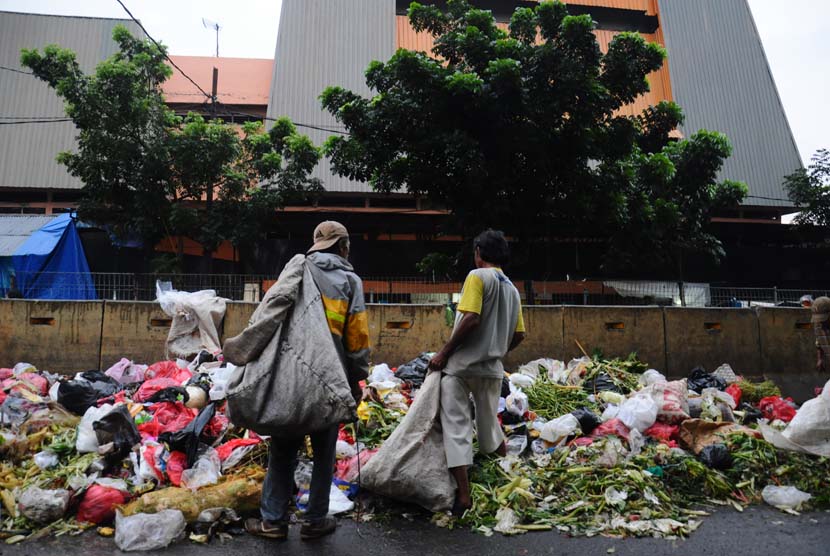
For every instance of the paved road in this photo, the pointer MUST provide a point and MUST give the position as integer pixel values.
(758, 531)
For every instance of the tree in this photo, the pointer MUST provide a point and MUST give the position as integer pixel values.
(809, 189)
(521, 130)
(151, 174)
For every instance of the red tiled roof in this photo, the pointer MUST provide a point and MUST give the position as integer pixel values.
(242, 81)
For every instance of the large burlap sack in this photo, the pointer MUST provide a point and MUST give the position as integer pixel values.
(411, 465)
(292, 380)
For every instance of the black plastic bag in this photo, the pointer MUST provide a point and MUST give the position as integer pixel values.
(699, 380)
(117, 428)
(77, 396)
(187, 439)
(103, 384)
(172, 394)
(588, 420)
(751, 413)
(415, 371)
(716, 456)
(505, 387)
(602, 383)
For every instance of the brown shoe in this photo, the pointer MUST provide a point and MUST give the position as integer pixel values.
(317, 529)
(269, 529)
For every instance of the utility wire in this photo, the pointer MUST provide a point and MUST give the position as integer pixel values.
(161, 49)
(16, 70)
(232, 112)
(24, 122)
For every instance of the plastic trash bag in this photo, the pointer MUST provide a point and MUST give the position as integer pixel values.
(775, 407)
(187, 439)
(588, 421)
(116, 434)
(716, 456)
(99, 503)
(726, 374)
(167, 417)
(338, 501)
(558, 430)
(126, 372)
(672, 400)
(650, 377)
(616, 497)
(517, 403)
(662, 432)
(170, 394)
(148, 531)
(345, 450)
(601, 383)
(516, 444)
(638, 412)
(87, 441)
(415, 371)
(382, 373)
(347, 469)
(736, 393)
(151, 386)
(506, 522)
(43, 506)
(784, 497)
(77, 396)
(699, 380)
(46, 460)
(520, 380)
(206, 471)
(168, 369)
(220, 377)
(103, 384)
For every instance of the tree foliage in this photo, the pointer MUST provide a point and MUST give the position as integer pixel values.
(522, 130)
(150, 173)
(809, 190)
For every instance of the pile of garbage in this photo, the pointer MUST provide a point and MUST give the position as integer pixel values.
(132, 445)
(612, 447)
(595, 446)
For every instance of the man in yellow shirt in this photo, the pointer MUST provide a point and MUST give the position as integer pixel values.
(488, 324)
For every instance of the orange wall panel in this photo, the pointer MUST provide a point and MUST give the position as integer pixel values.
(648, 6)
(660, 81)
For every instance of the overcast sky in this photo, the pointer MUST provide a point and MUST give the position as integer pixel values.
(793, 32)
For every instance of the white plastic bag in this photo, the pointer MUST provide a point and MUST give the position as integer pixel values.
(506, 522)
(43, 506)
(520, 380)
(517, 403)
(345, 450)
(610, 412)
(558, 430)
(638, 412)
(206, 470)
(784, 498)
(810, 428)
(46, 460)
(87, 442)
(148, 531)
(382, 373)
(516, 444)
(672, 399)
(650, 377)
(220, 377)
(338, 501)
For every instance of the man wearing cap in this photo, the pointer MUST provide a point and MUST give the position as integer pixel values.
(821, 326)
(342, 296)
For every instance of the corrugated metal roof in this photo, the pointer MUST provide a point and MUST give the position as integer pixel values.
(721, 78)
(27, 152)
(16, 229)
(322, 43)
(245, 81)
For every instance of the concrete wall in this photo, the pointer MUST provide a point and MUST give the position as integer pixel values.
(72, 336)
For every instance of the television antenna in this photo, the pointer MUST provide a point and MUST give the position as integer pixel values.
(208, 24)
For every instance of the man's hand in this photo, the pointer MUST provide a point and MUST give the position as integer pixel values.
(438, 362)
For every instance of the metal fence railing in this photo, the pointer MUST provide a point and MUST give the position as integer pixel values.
(407, 290)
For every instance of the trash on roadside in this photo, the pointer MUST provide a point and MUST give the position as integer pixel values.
(148, 531)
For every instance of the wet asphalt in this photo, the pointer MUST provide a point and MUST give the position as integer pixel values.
(758, 531)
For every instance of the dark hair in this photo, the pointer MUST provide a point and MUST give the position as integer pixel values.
(492, 247)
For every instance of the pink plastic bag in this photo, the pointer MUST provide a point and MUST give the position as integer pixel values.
(98, 505)
(150, 387)
(125, 372)
(347, 469)
(613, 427)
(168, 369)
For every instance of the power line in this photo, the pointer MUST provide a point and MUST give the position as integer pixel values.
(161, 49)
(16, 70)
(24, 122)
(266, 118)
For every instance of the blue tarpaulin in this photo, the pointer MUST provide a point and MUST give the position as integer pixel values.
(51, 264)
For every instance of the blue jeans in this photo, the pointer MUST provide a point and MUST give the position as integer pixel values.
(279, 480)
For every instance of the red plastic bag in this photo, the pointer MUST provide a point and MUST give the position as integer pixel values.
(225, 450)
(216, 426)
(168, 369)
(175, 467)
(167, 417)
(611, 427)
(662, 432)
(347, 469)
(6, 373)
(98, 505)
(774, 407)
(150, 387)
(2, 397)
(736, 393)
(344, 435)
(31, 382)
(581, 441)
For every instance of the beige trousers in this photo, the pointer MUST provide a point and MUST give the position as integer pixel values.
(457, 419)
